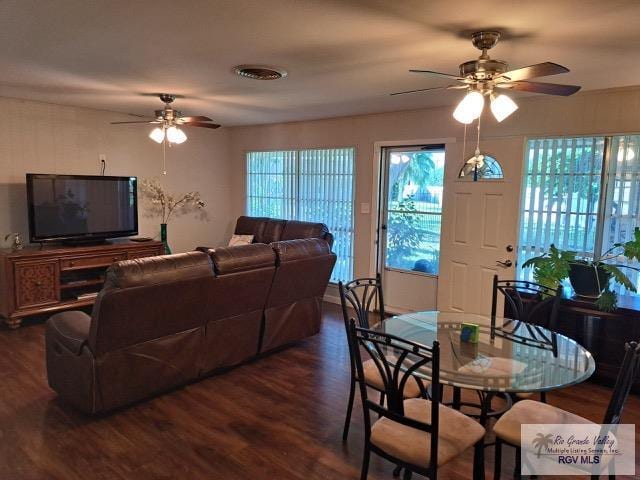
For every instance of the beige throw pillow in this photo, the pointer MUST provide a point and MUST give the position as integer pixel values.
(240, 240)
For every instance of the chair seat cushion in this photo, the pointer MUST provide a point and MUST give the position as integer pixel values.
(374, 380)
(457, 433)
(530, 411)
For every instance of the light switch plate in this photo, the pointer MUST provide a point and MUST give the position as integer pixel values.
(365, 208)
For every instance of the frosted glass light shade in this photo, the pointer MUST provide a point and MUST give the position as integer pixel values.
(175, 135)
(157, 135)
(469, 108)
(502, 106)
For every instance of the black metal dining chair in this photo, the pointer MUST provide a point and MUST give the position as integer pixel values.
(407, 431)
(507, 428)
(528, 302)
(364, 295)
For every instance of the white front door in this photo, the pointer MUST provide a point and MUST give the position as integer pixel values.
(479, 230)
(409, 225)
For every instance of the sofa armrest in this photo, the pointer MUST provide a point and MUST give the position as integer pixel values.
(70, 329)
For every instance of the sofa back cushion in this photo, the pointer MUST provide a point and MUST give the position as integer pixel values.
(295, 229)
(293, 306)
(251, 226)
(242, 257)
(272, 231)
(149, 298)
(236, 302)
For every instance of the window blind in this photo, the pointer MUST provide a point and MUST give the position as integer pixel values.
(622, 204)
(560, 196)
(313, 185)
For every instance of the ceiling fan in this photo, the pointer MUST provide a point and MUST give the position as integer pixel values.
(169, 121)
(484, 76)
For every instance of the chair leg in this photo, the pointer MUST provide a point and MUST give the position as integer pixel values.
(407, 474)
(365, 463)
(397, 470)
(347, 420)
(497, 463)
(543, 397)
(516, 471)
(478, 460)
(456, 398)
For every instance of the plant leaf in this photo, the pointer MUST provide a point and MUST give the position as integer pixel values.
(632, 247)
(619, 276)
(608, 301)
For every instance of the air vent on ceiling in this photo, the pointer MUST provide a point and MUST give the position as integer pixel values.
(260, 72)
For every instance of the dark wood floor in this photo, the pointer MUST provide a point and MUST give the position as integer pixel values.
(277, 418)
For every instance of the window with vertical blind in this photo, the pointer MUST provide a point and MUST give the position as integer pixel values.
(581, 194)
(312, 185)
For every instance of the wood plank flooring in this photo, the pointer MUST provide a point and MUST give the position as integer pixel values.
(276, 418)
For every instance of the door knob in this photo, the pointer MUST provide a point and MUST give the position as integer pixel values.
(505, 264)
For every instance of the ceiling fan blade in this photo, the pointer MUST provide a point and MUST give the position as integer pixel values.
(538, 70)
(137, 121)
(437, 73)
(197, 118)
(540, 87)
(201, 124)
(429, 89)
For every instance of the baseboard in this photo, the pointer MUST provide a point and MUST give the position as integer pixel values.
(331, 298)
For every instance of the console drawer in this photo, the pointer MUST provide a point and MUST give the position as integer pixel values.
(91, 261)
(36, 283)
(147, 252)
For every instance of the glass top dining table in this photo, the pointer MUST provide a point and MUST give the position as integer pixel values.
(510, 356)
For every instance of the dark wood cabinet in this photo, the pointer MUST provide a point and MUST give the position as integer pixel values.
(602, 333)
(46, 280)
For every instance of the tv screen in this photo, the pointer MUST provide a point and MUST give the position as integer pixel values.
(81, 207)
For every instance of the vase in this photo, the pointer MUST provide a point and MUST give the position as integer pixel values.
(588, 281)
(163, 238)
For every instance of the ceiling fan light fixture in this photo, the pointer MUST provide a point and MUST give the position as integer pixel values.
(157, 135)
(469, 108)
(502, 106)
(176, 135)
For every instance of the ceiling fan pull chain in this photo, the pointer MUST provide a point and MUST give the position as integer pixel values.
(464, 143)
(164, 156)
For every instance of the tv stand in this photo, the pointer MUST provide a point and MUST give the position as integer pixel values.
(50, 279)
(84, 242)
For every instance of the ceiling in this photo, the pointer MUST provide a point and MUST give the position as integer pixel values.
(343, 57)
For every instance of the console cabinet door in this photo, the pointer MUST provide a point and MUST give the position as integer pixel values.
(37, 283)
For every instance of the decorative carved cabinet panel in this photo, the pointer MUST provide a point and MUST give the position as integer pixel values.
(36, 281)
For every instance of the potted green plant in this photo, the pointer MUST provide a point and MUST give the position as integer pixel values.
(589, 278)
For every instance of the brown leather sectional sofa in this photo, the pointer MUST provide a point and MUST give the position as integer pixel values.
(162, 322)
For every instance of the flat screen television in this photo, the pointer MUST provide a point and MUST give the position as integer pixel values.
(81, 208)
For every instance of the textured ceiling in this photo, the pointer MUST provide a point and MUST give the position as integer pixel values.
(343, 57)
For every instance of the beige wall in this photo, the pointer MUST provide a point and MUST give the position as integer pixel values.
(609, 111)
(44, 138)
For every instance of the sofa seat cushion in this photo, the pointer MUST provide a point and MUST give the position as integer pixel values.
(457, 433)
(530, 411)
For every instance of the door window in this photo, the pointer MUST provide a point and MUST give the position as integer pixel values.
(414, 179)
